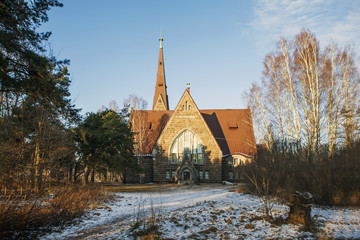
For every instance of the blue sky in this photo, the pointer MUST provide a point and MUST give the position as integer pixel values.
(218, 46)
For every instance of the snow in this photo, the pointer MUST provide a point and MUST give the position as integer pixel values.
(204, 212)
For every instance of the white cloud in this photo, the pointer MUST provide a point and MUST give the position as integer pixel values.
(329, 20)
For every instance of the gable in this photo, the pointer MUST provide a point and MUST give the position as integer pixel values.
(160, 104)
(187, 116)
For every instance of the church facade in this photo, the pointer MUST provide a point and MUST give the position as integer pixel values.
(187, 144)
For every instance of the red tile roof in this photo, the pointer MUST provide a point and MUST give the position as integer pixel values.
(153, 123)
(232, 128)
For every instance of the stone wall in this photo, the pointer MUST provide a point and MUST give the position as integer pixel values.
(186, 116)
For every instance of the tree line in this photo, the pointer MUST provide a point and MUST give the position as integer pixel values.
(306, 115)
(44, 140)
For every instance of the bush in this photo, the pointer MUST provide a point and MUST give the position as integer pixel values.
(331, 180)
(19, 218)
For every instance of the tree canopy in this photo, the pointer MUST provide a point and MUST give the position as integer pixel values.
(105, 144)
(35, 106)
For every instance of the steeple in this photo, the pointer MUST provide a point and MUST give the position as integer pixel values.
(160, 98)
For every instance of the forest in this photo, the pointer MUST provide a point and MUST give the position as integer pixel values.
(306, 115)
(49, 152)
(44, 141)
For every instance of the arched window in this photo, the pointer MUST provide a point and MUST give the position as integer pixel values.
(187, 145)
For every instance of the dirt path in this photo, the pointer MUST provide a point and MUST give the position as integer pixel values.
(119, 214)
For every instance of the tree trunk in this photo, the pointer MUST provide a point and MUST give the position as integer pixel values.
(92, 175)
(38, 169)
(86, 176)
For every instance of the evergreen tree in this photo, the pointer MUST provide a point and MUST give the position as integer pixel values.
(105, 144)
(35, 108)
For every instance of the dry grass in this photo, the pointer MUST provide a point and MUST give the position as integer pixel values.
(19, 218)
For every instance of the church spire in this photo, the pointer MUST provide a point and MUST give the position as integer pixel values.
(160, 99)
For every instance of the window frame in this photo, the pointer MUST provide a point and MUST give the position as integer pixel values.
(187, 144)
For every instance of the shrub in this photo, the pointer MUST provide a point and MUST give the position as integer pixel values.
(19, 218)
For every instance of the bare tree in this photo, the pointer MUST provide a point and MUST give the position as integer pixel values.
(308, 96)
(256, 102)
(262, 188)
(349, 110)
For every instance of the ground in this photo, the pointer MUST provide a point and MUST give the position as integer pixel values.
(203, 212)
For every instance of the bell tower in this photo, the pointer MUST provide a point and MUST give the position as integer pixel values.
(160, 98)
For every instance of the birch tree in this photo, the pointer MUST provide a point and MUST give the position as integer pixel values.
(307, 96)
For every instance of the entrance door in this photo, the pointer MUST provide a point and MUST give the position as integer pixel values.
(186, 176)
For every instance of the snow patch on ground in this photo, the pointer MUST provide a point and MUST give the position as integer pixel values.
(210, 212)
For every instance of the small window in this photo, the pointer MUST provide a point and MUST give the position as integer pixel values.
(167, 174)
(233, 124)
(193, 157)
(174, 157)
(186, 105)
(183, 107)
(206, 175)
(231, 175)
(189, 107)
(231, 162)
(173, 174)
(160, 63)
(201, 175)
(200, 158)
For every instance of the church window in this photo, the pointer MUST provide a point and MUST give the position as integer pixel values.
(189, 107)
(231, 161)
(183, 107)
(173, 174)
(200, 158)
(193, 158)
(207, 175)
(187, 146)
(160, 63)
(167, 174)
(186, 105)
(174, 157)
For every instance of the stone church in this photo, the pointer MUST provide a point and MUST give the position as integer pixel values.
(187, 144)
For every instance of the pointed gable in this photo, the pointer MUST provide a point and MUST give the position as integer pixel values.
(187, 116)
(160, 104)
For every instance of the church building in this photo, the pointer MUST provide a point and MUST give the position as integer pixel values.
(187, 144)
